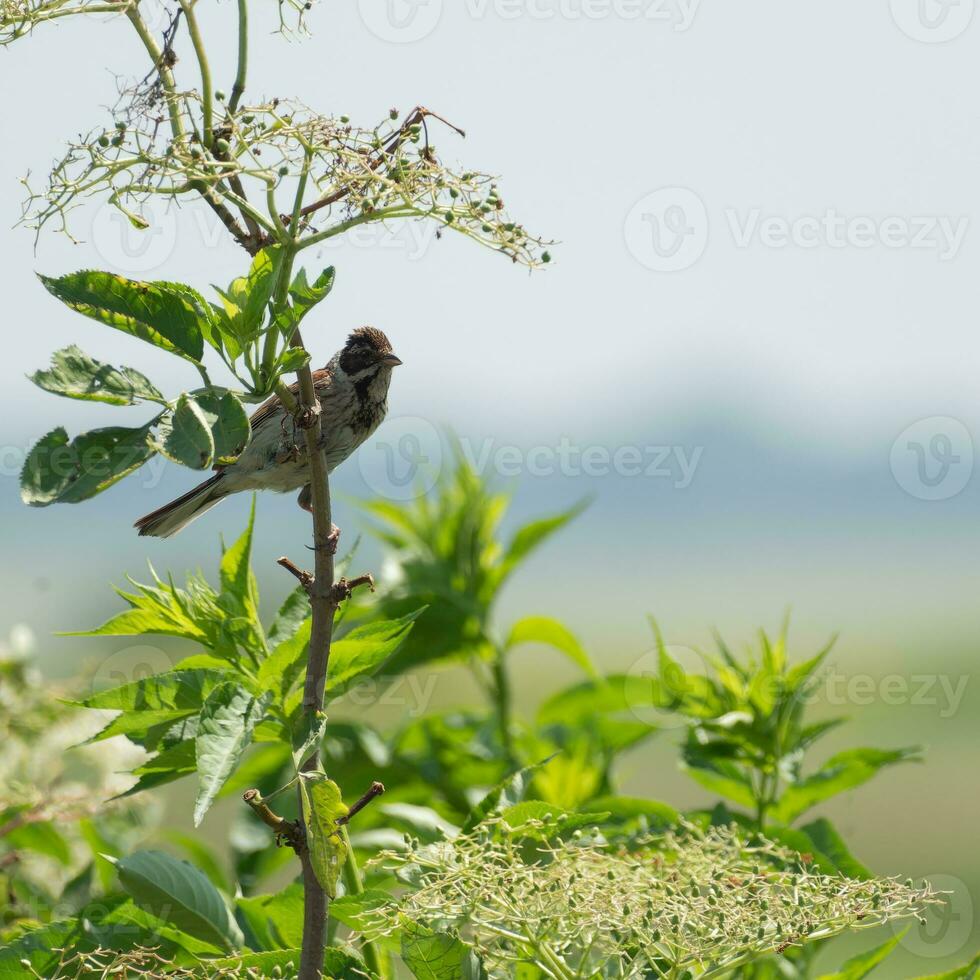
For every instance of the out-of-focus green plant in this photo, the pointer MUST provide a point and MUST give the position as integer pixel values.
(446, 551)
(53, 822)
(748, 734)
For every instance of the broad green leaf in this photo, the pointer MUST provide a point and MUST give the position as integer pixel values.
(230, 427)
(532, 535)
(364, 650)
(41, 837)
(307, 737)
(158, 312)
(203, 856)
(47, 469)
(860, 966)
(303, 296)
(262, 764)
(438, 956)
(290, 617)
(237, 580)
(323, 805)
(541, 629)
(274, 921)
(968, 971)
(355, 910)
(292, 359)
(718, 776)
(556, 818)
(802, 843)
(839, 773)
(624, 809)
(421, 821)
(74, 374)
(826, 840)
(113, 923)
(245, 301)
(176, 690)
(281, 669)
(228, 718)
(185, 436)
(617, 694)
(144, 727)
(56, 470)
(180, 894)
(508, 792)
(169, 765)
(162, 609)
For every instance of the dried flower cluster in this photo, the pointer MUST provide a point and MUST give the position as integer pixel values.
(108, 964)
(350, 175)
(703, 901)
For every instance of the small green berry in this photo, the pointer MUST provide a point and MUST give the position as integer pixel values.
(283, 171)
(222, 146)
(345, 119)
(219, 95)
(103, 141)
(121, 126)
(546, 257)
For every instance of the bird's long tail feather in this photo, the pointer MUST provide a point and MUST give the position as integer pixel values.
(176, 515)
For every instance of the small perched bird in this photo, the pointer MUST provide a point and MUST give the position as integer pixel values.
(353, 394)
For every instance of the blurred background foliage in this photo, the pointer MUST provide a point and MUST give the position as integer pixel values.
(744, 724)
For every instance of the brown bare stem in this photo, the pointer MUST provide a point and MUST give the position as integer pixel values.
(375, 790)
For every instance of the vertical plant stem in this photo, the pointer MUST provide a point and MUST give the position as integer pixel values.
(162, 69)
(323, 604)
(207, 94)
(238, 89)
(504, 706)
(355, 886)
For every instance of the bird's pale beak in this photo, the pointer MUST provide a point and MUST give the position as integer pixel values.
(389, 360)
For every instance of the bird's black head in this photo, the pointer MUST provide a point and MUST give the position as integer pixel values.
(366, 348)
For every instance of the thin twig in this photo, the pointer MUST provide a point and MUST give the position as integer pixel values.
(374, 792)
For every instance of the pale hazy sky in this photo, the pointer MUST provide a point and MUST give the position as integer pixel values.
(767, 263)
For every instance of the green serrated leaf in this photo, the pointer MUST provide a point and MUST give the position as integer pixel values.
(860, 966)
(228, 718)
(159, 313)
(364, 650)
(185, 436)
(542, 629)
(73, 374)
(181, 894)
(175, 690)
(438, 956)
(274, 921)
(228, 419)
(63, 472)
(323, 805)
